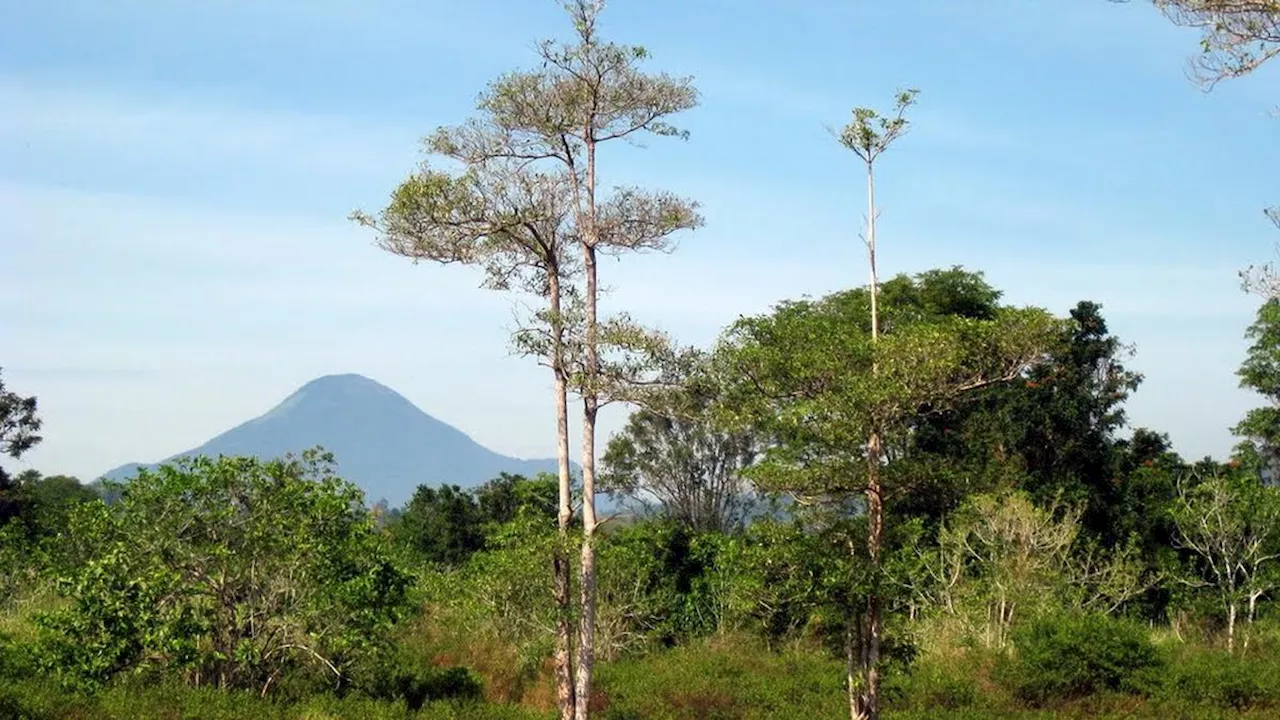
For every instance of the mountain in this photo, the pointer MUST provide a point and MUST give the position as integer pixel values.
(382, 442)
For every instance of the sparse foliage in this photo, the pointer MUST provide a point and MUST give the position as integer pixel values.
(671, 451)
(1231, 523)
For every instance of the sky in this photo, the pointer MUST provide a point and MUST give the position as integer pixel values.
(175, 181)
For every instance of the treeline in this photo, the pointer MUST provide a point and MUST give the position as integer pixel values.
(1033, 557)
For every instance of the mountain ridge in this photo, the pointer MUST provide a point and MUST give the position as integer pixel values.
(382, 441)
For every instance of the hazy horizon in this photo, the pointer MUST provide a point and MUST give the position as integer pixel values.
(175, 181)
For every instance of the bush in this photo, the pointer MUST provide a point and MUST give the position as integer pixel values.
(1227, 681)
(399, 678)
(1069, 656)
(232, 571)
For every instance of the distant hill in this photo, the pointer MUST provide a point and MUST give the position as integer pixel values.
(382, 442)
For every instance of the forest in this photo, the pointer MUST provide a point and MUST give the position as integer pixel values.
(907, 499)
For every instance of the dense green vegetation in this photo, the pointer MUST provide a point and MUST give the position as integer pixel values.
(908, 499)
(1092, 575)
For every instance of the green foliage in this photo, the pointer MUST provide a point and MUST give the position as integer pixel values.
(1260, 373)
(397, 678)
(447, 525)
(806, 379)
(1074, 655)
(671, 450)
(1223, 680)
(1052, 432)
(727, 677)
(440, 525)
(653, 588)
(502, 593)
(19, 432)
(231, 572)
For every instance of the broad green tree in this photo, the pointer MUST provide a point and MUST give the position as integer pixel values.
(588, 92)
(1260, 372)
(230, 572)
(806, 381)
(440, 525)
(1055, 432)
(869, 135)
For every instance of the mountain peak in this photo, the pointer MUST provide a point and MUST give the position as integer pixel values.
(382, 441)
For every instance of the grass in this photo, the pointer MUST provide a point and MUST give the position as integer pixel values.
(731, 677)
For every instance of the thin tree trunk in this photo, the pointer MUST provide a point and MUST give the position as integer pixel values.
(1231, 627)
(854, 653)
(875, 621)
(851, 668)
(587, 617)
(590, 407)
(875, 506)
(561, 565)
(871, 254)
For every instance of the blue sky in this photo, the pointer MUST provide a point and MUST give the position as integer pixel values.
(175, 180)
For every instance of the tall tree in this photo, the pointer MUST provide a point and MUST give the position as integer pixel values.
(868, 136)
(515, 222)
(587, 92)
(804, 379)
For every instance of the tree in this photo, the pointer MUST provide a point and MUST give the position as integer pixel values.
(231, 571)
(516, 223)
(587, 93)
(806, 382)
(868, 136)
(19, 428)
(507, 497)
(47, 501)
(1053, 433)
(1260, 372)
(1236, 38)
(441, 525)
(672, 451)
(1231, 522)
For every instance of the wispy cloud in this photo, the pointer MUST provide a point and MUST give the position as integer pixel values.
(186, 132)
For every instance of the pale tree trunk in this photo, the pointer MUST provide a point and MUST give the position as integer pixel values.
(851, 666)
(562, 568)
(590, 407)
(1231, 626)
(587, 615)
(872, 627)
(871, 253)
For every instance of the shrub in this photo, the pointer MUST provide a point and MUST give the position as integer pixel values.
(232, 571)
(1224, 680)
(399, 678)
(1067, 656)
